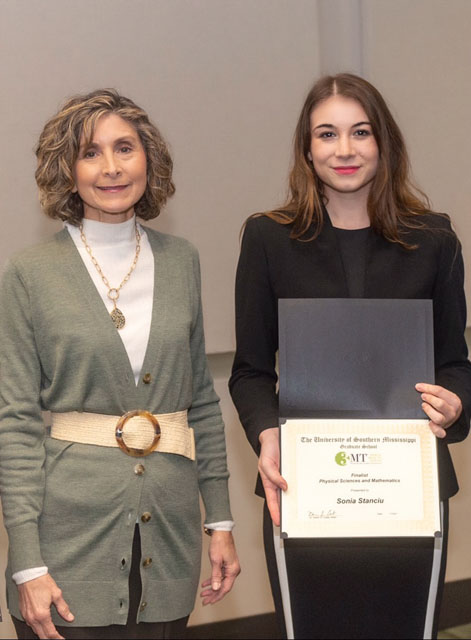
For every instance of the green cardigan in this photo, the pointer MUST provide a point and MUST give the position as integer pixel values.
(73, 507)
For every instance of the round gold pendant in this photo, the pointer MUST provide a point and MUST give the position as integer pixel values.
(118, 318)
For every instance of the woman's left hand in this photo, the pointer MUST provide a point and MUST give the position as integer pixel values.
(225, 567)
(443, 407)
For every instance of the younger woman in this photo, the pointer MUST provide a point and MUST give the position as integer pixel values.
(353, 226)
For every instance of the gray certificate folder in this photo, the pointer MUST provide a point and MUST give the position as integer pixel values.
(354, 358)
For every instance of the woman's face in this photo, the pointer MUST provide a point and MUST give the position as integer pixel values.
(344, 152)
(111, 172)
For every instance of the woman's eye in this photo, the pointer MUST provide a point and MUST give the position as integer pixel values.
(362, 132)
(125, 149)
(89, 154)
(327, 134)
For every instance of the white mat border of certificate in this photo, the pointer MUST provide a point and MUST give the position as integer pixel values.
(295, 526)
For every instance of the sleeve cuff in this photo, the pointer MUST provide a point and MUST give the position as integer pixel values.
(29, 574)
(24, 547)
(223, 525)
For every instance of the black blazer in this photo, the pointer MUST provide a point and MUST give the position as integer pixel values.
(273, 266)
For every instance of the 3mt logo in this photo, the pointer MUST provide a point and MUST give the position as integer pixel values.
(355, 458)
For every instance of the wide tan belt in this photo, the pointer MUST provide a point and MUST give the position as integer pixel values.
(137, 433)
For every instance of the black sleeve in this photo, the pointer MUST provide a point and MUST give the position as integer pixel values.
(452, 367)
(253, 380)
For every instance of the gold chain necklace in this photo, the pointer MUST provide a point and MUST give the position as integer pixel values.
(117, 316)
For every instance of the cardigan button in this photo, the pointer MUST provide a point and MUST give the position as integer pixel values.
(143, 606)
(146, 378)
(146, 516)
(146, 562)
(139, 469)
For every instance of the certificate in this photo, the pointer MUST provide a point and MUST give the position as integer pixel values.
(359, 478)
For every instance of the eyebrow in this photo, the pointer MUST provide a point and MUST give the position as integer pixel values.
(126, 139)
(123, 140)
(331, 126)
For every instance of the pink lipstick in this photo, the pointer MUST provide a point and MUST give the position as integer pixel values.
(346, 171)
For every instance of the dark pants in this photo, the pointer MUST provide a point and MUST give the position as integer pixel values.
(174, 630)
(357, 588)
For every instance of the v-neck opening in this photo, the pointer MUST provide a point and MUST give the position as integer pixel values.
(97, 306)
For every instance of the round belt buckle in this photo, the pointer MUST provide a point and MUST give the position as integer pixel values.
(133, 451)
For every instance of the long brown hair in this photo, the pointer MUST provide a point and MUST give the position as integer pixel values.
(58, 149)
(394, 203)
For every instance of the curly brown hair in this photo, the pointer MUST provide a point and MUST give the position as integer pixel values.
(394, 203)
(58, 149)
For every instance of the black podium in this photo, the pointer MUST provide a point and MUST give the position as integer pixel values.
(357, 359)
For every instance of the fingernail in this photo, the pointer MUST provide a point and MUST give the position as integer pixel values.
(215, 586)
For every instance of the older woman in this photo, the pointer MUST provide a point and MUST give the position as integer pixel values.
(102, 326)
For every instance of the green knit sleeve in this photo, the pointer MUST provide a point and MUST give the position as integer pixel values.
(21, 426)
(205, 417)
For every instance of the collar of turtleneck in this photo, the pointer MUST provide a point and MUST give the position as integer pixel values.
(106, 233)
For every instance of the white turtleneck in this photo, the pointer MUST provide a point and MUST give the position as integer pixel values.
(114, 247)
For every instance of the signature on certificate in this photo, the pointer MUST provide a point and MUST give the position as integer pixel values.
(329, 513)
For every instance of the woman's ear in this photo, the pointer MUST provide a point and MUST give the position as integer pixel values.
(309, 157)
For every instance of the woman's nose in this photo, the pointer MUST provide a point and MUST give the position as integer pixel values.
(110, 165)
(344, 146)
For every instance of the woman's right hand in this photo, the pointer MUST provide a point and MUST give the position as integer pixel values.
(36, 597)
(269, 469)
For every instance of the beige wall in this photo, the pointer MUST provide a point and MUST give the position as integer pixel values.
(418, 53)
(225, 79)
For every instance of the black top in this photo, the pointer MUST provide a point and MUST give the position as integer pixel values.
(273, 266)
(353, 250)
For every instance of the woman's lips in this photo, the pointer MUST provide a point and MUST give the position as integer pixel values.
(346, 171)
(117, 188)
